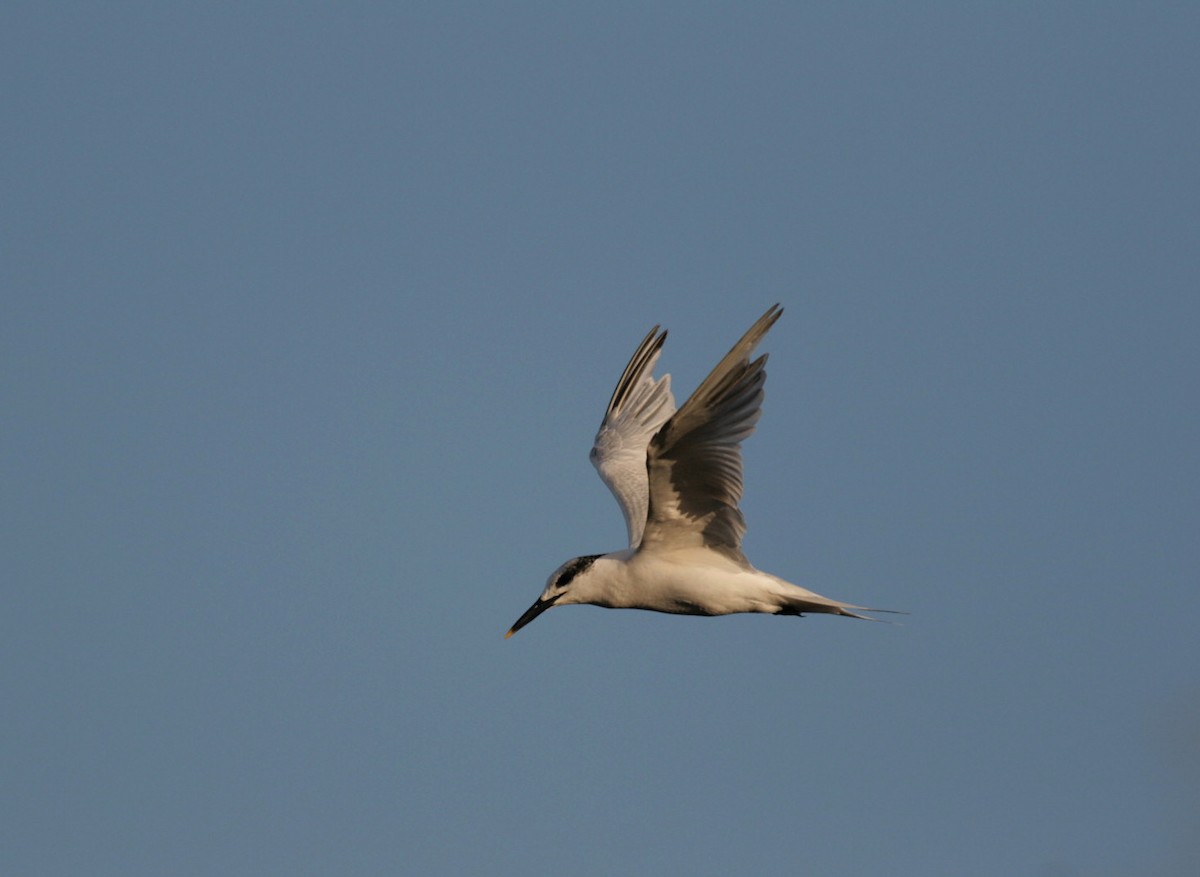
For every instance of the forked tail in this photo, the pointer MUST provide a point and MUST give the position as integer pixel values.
(800, 605)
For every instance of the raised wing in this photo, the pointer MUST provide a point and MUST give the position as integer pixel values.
(695, 461)
(639, 406)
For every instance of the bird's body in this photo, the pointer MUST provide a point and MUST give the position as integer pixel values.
(691, 581)
(677, 476)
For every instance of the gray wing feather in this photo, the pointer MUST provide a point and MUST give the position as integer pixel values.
(638, 407)
(695, 461)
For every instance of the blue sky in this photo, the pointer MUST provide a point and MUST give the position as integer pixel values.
(310, 313)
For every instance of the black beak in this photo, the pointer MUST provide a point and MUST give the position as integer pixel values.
(531, 613)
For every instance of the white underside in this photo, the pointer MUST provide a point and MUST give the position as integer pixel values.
(690, 581)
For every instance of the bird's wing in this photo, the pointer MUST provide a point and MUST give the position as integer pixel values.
(694, 462)
(639, 406)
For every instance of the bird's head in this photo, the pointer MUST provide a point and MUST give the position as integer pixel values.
(557, 591)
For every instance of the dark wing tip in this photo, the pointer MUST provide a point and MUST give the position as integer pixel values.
(649, 347)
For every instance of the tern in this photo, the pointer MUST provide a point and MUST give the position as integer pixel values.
(677, 476)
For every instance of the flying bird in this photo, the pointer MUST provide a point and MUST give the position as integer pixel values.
(677, 476)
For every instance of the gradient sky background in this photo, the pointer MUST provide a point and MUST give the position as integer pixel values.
(311, 311)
